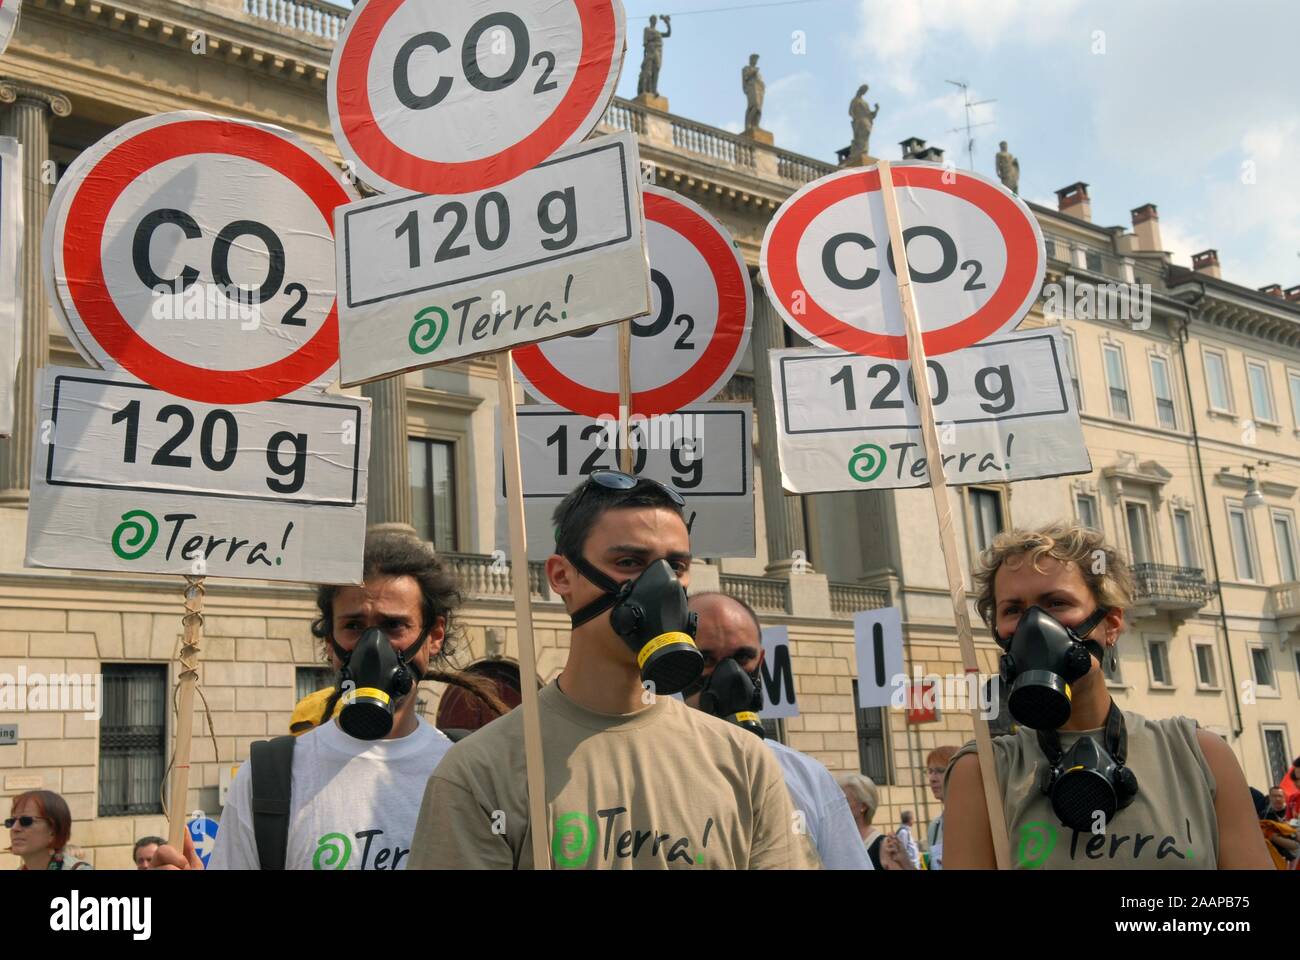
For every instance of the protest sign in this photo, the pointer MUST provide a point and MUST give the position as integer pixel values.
(878, 640)
(689, 346)
(702, 452)
(192, 257)
(1005, 408)
(779, 699)
(11, 290)
(429, 279)
(455, 96)
(974, 250)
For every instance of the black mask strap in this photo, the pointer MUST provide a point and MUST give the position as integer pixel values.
(613, 591)
(1116, 739)
(407, 656)
(1082, 630)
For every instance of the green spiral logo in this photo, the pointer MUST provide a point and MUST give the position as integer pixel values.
(867, 462)
(135, 534)
(332, 852)
(575, 835)
(1037, 841)
(427, 333)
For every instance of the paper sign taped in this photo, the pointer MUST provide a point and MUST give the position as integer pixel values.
(779, 699)
(429, 279)
(701, 452)
(1005, 410)
(128, 478)
(878, 637)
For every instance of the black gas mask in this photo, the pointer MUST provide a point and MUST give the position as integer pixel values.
(732, 694)
(1089, 778)
(651, 616)
(1043, 657)
(374, 679)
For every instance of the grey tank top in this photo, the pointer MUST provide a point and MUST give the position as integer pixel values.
(1170, 825)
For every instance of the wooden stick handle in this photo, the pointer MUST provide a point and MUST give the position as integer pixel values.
(625, 395)
(943, 511)
(193, 636)
(534, 758)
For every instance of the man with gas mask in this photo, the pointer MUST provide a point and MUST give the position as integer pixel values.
(1084, 784)
(730, 637)
(634, 779)
(345, 794)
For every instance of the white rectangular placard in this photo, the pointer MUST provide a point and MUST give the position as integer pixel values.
(11, 290)
(878, 638)
(428, 279)
(778, 675)
(1005, 411)
(128, 478)
(704, 453)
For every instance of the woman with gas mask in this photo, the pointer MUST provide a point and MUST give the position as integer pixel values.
(1084, 784)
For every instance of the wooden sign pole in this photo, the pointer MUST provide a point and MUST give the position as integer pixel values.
(533, 756)
(625, 396)
(943, 511)
(189, 674)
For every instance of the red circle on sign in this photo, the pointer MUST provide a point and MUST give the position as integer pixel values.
(394, 164)
(1011, 295)
(83, 233)
(732, 287)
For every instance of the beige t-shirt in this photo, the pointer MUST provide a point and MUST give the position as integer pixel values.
(666, 787)
(1170, 825)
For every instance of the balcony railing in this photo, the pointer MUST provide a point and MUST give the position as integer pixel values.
(1286, 600)
(319, 19)
(848, 598)
(1171, 588)
(763, 594)
(480, 575)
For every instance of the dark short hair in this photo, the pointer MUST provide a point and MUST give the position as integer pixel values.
(578, 513)
(53, 808)
(758, 624)
(144, 842)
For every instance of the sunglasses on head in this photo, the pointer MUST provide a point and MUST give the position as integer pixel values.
(617, 480)
(23, 821)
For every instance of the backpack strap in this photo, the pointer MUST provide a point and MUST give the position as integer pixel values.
(272, 768)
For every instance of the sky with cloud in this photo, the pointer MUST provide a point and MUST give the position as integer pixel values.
(1188, 104)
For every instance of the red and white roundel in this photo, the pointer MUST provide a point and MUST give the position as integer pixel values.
(9, 10)
(685, 351)
(453, 96)
(197, 253)
(975, 253)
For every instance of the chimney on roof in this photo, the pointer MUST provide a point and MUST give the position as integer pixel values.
(1273, 290)
(1146, 224)
(912, 147)
(1207, 262)
(1074, 201)
(932, 154)
(1292, 294)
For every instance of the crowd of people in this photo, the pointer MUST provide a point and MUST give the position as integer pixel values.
(653, 753)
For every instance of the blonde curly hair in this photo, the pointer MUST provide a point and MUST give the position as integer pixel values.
(1104, 569)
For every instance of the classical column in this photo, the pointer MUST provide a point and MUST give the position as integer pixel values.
(28, 118)
(784, 515)
(389, 501)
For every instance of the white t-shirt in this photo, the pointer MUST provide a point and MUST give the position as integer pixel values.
(353, 805)
(814, 792)
(909, 845)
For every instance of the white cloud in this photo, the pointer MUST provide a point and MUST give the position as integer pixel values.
(1181, 241)
(784, 108)
(896, 34)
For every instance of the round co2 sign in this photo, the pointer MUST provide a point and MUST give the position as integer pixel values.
(197, 253)
(685, 351)
(975, 254)
(453, 96)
